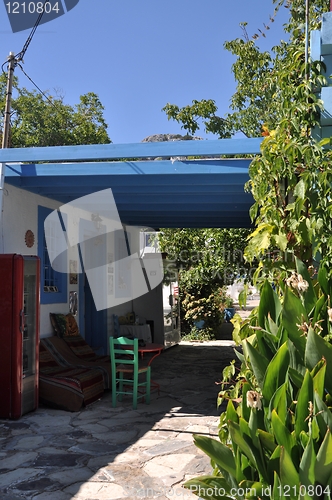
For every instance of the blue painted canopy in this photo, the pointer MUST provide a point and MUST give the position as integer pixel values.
(165, 184)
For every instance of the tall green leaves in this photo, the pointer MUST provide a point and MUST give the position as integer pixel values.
(279, 441)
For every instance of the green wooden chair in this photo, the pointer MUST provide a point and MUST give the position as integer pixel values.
(124, 360)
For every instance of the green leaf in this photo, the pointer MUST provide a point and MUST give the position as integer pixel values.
(231, 412)
(279, 402)
(276, 372)
(267, 343)
(301, 412)
(243, 297)
(269, 304)
(281, 241)
(296, 361)
(321, 302)
(253, 489)
(218, 452)
(274, 462)
(324, 142)
(310, 297)
(319, 378)
(208, 487)
(300, 189)
(307, 465)
(273, 327)
(296, 377)
(267, 440)
(241, 436)
(323, 279)
(238, 438)
(258, 362)
(316, 349)
(245, 409)
(288, 473)
(276, 487)
(323, 415)
(323, 465)
(294, 314)
(283, 437)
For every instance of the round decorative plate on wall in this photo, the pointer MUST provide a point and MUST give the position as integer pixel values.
(29, 238)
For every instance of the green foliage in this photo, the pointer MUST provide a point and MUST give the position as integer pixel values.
(199, 334)
(291, 179)
(275, 434)
(40, 122)
(207, 260)
(277, 97)
(188, 115)
(209, 309)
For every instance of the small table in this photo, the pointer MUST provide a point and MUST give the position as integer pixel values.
(136, 331)
(156, 349)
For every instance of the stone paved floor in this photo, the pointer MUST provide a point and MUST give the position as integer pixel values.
(109, 453)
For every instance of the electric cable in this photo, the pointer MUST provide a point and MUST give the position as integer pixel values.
(20, 55)
(43, 93)
(53, 103)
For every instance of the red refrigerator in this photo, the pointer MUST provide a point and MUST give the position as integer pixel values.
(19, 334)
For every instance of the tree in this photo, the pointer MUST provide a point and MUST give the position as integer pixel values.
(37, 121)
(207, 261)
(271, 437)
(277, 97)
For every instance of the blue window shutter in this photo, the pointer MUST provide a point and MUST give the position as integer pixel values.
(48, 276)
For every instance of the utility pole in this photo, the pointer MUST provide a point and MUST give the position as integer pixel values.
(6, 123)
(6, 130)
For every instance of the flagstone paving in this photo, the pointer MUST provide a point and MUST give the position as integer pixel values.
(105, 453)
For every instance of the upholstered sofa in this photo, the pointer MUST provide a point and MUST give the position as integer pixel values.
(66, 386)
(69, 345)
(66, 356)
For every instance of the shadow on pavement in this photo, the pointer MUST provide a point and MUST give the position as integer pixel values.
(113, 453)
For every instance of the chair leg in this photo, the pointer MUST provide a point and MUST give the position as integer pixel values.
(135, 390)
(114, 394)
(148, 384)
(120, 386)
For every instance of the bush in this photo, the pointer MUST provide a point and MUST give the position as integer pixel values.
(209, 308)
(275, 435)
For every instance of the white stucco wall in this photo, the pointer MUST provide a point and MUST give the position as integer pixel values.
(20, 213)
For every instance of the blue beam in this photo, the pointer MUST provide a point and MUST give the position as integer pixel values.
(161, 208)
(95, 183)
(243, 221)
(137, 168)
(140, 150)
(213, 189)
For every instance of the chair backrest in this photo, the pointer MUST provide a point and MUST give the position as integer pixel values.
(124, 351)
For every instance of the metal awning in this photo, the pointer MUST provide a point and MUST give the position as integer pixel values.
(169, 184)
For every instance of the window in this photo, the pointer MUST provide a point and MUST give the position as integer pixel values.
(53, 285)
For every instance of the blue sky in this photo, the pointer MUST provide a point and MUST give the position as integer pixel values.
(139, 55)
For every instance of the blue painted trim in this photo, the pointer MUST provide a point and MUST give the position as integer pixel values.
(140, 150)
(213, 186)
(315, 45)
(60, 173)
(49, 298)
(326, 33)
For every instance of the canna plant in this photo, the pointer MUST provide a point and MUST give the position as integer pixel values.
(275, 435)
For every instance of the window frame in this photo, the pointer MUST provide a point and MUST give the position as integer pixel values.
(62, 278)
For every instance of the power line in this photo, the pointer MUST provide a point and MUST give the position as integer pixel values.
(12, 63)
(43, 93)
(20, 55)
